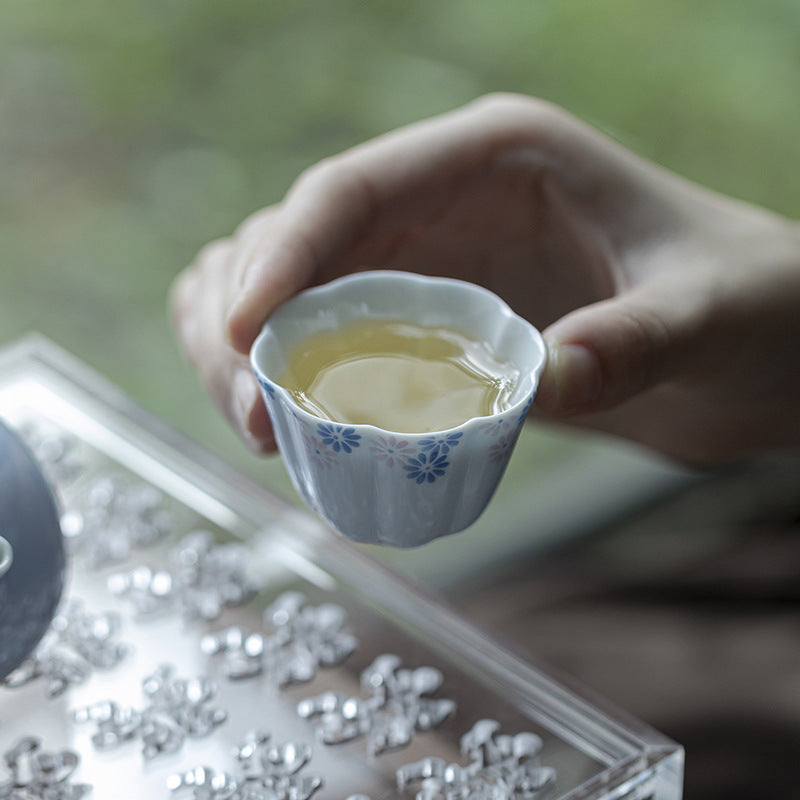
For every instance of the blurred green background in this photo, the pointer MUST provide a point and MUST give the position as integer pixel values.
(133, 132)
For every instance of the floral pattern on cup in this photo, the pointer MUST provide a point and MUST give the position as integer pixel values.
(267, 386)
(494, 426)
(423, 467)
(389, 487)
(501, 449)
(440, 444)
(338, 437)
(318, 452)
(423, 464)
(524, 414)
(391, 451)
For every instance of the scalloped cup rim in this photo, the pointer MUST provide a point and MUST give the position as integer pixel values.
(340, 284)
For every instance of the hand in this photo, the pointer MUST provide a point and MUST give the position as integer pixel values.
(670, 313)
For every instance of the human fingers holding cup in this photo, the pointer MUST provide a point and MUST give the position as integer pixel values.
(470, 194)
(199, 302)
(623, 264)
(456, 196)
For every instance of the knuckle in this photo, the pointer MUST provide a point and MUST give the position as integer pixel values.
(213, 249)
(499, 101)
(338, 181)
(508, 105)
(254, 224)
(318, 177)
(212, 254)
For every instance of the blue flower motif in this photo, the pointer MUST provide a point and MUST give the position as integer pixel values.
(524, 415)
(268, 386)
(428, 468)
(441, 444)
(337, 437)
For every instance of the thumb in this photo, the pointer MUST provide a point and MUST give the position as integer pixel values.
(606, 353)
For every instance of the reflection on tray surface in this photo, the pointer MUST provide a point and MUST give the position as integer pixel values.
(194, 632)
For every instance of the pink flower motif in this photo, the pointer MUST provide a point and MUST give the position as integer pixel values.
(391, 450)
(318, 452)
(494, 426)
(500, 450)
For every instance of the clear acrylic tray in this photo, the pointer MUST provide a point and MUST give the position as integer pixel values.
(105, 456)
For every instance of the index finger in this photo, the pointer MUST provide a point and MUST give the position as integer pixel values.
(373, 189)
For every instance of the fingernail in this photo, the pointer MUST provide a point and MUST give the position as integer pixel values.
(245, 392)
(572, 381)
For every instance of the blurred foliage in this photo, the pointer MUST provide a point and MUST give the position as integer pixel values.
(132, 132)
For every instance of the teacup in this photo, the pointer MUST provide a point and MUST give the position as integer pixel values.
(32, 556)
(380, 486)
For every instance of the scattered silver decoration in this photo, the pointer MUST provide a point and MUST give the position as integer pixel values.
(55, 450)
(500, 767)
(203, 579)
(38, 774)
(265, 771)
(114, 515)
(304, 638)
(176, 709)
(397, 705)
(77, 643)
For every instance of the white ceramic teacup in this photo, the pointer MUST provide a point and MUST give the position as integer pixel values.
(379, 486)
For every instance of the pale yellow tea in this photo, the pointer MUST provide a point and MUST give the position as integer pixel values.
(398, 376)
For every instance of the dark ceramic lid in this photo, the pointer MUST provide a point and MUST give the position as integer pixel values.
(31, 584)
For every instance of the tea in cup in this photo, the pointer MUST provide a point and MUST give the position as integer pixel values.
(396, 400)
(398, 376)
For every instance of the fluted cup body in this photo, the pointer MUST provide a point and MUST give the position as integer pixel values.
(380, 486)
